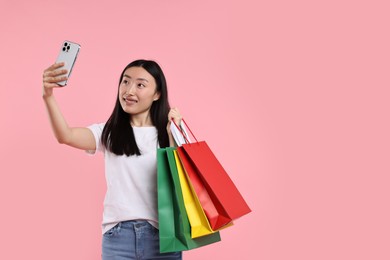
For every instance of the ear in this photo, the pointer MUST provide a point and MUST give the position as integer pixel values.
(156, 96)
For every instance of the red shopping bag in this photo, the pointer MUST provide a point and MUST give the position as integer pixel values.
(216, 219)
(219, 197)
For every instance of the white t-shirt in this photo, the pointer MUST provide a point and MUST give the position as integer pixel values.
(131, 180)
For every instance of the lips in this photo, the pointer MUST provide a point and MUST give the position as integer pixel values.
(130, 100)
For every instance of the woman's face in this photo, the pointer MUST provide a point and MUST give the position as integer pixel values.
(137, 91)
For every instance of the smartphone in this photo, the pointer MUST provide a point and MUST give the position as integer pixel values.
(68, 55)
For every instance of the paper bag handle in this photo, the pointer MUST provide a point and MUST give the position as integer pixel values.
(182, 132)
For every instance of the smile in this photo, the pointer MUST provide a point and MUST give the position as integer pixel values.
(130, 100)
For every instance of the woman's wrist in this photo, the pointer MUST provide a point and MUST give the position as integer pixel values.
(47, 93)
(171, 140)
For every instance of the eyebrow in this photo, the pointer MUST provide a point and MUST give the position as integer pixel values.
(141, 79)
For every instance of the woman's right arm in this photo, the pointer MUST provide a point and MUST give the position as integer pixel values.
(78, 137)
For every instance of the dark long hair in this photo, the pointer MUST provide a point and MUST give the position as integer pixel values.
(118, 136)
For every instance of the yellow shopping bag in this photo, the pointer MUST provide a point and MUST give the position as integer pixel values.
(200, 225)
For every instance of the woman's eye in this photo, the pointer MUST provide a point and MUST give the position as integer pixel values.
(141, 85)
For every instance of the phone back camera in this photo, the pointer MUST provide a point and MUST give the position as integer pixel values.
(66, 47)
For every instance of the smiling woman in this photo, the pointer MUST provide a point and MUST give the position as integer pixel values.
(142, 94)
(138, 125)
(137, 92)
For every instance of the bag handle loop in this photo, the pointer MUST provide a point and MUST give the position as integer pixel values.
(182, 132)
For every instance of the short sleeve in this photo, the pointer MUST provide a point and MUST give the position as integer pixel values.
(97, 130)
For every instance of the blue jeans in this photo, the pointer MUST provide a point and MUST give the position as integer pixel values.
(136, 239)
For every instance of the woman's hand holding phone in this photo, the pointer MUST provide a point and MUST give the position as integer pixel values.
(51, 76)
(57, 75)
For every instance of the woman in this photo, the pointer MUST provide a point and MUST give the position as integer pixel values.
(138, 125)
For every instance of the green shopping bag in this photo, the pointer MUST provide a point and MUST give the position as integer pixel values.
(174, 226)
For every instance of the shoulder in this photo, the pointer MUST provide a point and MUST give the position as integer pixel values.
(98, 127)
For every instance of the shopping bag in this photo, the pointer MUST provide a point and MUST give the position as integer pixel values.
(217, 219)
(200, 225)
(175, 230)
(193, 176)
(219, 197)
(216, 215)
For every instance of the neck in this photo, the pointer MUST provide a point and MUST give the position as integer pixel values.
(141, 120)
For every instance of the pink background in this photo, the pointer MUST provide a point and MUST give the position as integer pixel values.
(292, 96)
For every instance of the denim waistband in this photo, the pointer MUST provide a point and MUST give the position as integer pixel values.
(138, 223)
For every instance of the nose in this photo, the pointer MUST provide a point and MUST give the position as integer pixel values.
(130, 89)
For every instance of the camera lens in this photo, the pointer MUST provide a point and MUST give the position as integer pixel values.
(68, 48)
(64, 49)
(65, 44)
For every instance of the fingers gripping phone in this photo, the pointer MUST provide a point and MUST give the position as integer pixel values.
(68, 55)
